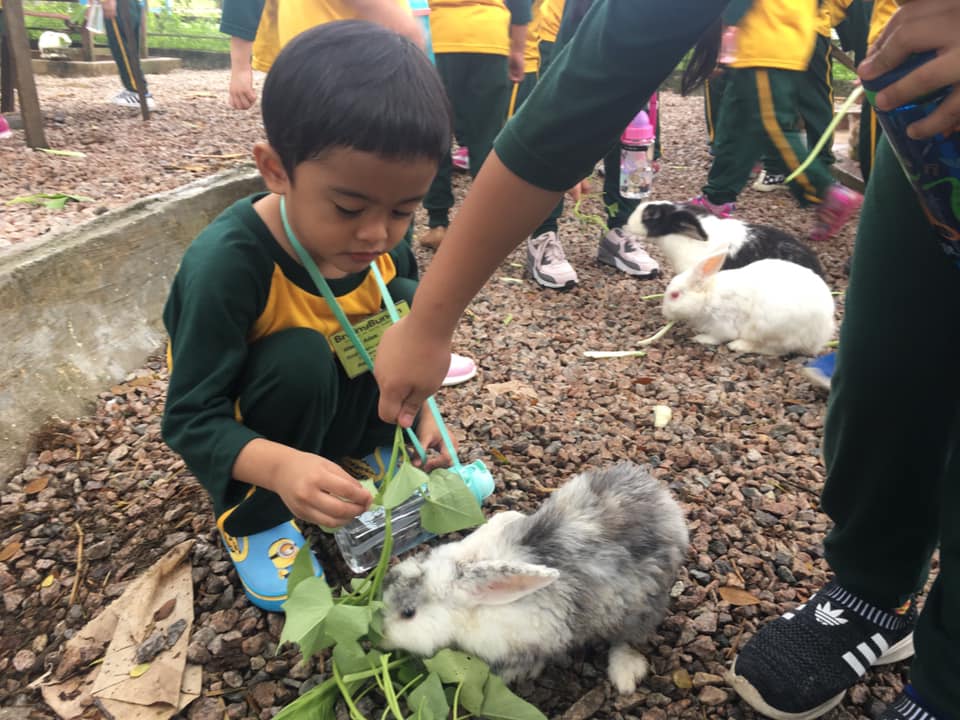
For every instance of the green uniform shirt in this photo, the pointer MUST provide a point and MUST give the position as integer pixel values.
(235, 285)
(604, 75)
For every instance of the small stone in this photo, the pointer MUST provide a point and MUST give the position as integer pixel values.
(39, 643)
(99, 551)
(701, 577)
(702, 679)
(206, 708)
(785, 574)
(24, 661)
(198, 654)
(152, 646)
(253, 645)
(12, 600)
(236, 711)
(264, 693)
(257, 663)
(706, 622)
(654, 714)
(765, 519)
(233, 679)
(859, 694)
(224, 620)
(711, 695)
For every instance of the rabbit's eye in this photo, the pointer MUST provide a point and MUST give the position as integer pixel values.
(407, 613)
(674, 294)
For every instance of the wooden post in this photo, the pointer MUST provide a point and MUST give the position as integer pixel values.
(144, 18)
(86, 41)
(16, 31)
(6, 71)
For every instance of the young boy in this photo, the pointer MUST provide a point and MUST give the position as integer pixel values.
(891, 448)
(259, 405)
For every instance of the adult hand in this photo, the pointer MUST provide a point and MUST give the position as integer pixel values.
(919, 26)
(109, 9)
(410, 366)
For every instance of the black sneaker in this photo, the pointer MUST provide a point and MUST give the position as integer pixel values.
(800, 665)
(905, 707)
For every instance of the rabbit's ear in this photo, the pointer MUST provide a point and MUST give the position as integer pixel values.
(708, 267)
(492, 582)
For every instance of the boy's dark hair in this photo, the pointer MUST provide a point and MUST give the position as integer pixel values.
(353, 84)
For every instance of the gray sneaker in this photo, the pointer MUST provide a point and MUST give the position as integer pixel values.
(130, 99)
(548, 264)
(623, 251)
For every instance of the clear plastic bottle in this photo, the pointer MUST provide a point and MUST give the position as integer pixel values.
(636, 162)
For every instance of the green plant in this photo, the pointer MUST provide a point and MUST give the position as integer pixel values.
(450, 684)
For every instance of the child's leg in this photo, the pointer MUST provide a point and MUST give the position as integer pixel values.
(735, 144)
(712, 97)
(480, 92)
(891, 438)
(126, 55)
(869, 137)
(815, 99)
(439, 198)
(294, 391)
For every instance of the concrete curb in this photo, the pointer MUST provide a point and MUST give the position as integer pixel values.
(82, 309)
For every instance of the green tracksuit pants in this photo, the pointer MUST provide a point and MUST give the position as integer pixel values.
(892, 435)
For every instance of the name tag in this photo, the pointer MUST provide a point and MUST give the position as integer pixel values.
(369, 330)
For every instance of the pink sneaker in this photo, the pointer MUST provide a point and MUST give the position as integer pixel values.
(837, 208)
(721, 211)
(5, 131)
(461, 369)
(461, 158)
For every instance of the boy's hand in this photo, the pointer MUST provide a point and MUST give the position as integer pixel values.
(109, 9)
(410, 366)
(515, 66)
(242, 96)
(916, 27)
(318, 490)
(429, 435)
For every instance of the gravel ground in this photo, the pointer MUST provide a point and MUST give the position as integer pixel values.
(741, 452)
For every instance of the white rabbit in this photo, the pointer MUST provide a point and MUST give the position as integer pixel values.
(688, 233)
(595, 562)
(773, 307)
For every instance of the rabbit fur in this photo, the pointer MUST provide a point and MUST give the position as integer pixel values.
(595, 562)
(688, 233)
(773, 307)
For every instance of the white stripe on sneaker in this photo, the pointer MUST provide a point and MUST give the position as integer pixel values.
(854, 664)
(867, 653)
(881, 644)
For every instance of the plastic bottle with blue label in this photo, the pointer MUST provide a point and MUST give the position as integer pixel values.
(932, 165)
(421, 11)
(636, 162)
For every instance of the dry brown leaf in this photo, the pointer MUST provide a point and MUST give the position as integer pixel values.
(36, 485)
(499, 456)
(736, 596)
(10, 551)
(163, 612)
(645, 380)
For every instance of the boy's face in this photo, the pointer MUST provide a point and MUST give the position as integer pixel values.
(349, 206)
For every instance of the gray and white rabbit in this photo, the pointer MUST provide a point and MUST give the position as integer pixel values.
(594, 563)
(773, 307)
(688, 233)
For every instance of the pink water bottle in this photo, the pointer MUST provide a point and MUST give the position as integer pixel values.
(636, 163)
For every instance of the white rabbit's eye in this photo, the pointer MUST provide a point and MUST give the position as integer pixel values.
(674, 294)
(407, 613)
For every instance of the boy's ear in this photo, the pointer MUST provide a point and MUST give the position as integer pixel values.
(271, 168)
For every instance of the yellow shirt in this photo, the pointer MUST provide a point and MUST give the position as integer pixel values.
(266, 45)
(470, 26)
(531, 51)
(295, 16)
(551, 13)
(832, 13)
(883, 10)
(777, 34)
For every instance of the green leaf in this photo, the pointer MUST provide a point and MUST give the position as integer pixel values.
(401, 486)
(56, 203)
(315, 704)
(301, 569)
(350, 657)
(428, 699)
(449, 506)
(454, 667)
(501, 704)
(64, 153)
(307, 608)
(348, 622)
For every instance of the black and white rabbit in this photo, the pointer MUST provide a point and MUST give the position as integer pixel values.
(594, 563)
(688, 233)
(770, 306)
